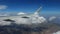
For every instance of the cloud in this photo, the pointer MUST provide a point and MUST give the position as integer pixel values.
(3, 7)
(19, 20)
(32, 19)
(3, 14)
(2, 23)
(58, 32)
(21, 13)
(38, 19)
(52, 18)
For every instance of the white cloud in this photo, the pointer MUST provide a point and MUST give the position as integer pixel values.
(2, 23)
(3, 14)
(3, 7)
(57, 32)
(21, 13)
(32, 19)
(19, 20)
(38, 19)
(52, 18)
(29, 20)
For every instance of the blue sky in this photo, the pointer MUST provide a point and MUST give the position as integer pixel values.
(50, 7)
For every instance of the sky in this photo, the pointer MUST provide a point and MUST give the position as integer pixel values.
(49, 7)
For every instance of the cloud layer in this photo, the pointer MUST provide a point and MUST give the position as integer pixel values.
(57, 32)
(19, 20)
(52, 18)
(3, 7)
(21, 13)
